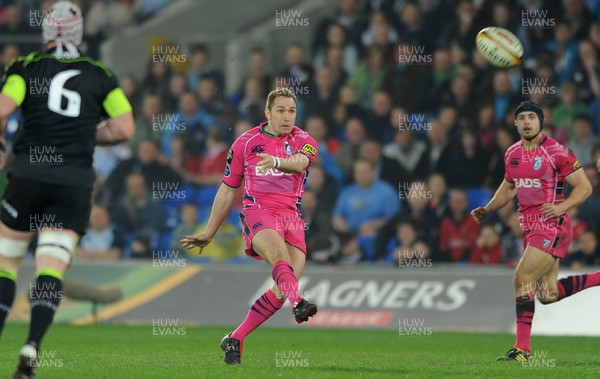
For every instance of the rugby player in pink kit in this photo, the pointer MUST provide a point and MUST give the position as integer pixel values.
(536, 169)
(272, 161)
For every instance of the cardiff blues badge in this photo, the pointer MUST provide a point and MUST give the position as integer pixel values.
(537, 163)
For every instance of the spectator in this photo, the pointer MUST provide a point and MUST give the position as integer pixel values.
(177, 86)
(101, 240)
(486, 127)
(407, 72)
(587, 73)
(201, 67)
(15, 24)
(463, 29)
(336, 38)
(189, 215)
(578, 17)
(325, 96)
(323, 186)
(422, 218)
(322, 244)
(156, 80)
(241, 127)
(568, 108)
(316, 128)
(147, 163)
(488, 249)
(384, 168)
(468, 162)
(257, 69)
(190, 120)
(226, 244)
(130, 86)
(410, 153)
(348, 151)
(590, 209)
(438, 148)
(438, 203)
(564, 50)
(368, 76)
(182, 159)
(9, 52)
(361, 209)
(334, 59)
(251, 105)
(146, 122)
(410, 26)
(495, 169)
(583, 141)
(103, 19)
(347, 15)
(297, 72)
(586, 255)
(212, 162)
(512, 241)
(437, 81)
(503, 100)
(208, 95)
(458, 230)
(135, 211)
(378, 118)
(459, 97)
(405, 247)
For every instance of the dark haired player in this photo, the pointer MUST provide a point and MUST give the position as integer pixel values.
(536, 169)
(63, 96)
(271, 160)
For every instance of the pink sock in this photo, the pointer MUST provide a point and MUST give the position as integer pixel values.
(525, 311)
(263, 308)
(572, 284)
(286, 281)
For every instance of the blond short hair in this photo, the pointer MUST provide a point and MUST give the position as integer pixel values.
(280, 92)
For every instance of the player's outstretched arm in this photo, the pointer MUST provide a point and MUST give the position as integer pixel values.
(295, 163)
(582, 189)
(221, 207)
(116, 130)
(503, 195)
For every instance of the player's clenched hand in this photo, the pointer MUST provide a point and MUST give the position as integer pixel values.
(200, 240)
(551, 210)
(267, 162)
(479, 214)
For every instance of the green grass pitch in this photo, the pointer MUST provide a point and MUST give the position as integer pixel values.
(109, 351)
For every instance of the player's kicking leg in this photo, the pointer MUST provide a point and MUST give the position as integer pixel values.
(534, 264)
(52, 257)
(288, 264)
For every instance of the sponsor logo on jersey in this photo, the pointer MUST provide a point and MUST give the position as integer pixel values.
(576, 165)
(257, 149)
(514, 162)
(230, 156)
(546, 243)
(309, 149)
(527, 183)
(537, 163)
(257, 225)
(272, 171)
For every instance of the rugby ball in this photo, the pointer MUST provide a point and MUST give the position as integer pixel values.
(499, 46)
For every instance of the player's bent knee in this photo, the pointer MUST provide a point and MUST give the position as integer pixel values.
(56, 245)
(13, 248)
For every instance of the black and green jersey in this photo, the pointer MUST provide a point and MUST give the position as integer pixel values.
(62, 101)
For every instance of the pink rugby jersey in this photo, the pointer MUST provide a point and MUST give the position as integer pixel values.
(539, 173)
(273, 190)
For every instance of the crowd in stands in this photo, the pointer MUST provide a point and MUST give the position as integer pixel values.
(412, 125)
